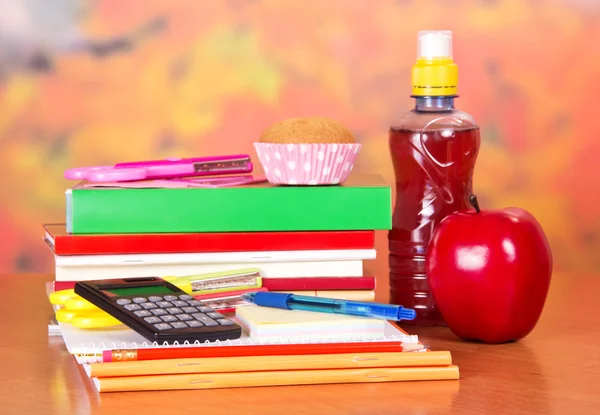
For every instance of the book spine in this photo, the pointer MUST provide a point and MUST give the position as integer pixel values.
(351, 295)
(319, 283)
(267, 269)
(273, 209)
(211, 242)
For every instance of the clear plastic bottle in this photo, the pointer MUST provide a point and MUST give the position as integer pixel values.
(433, 149)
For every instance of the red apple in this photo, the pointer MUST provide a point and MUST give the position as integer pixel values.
(489, 273)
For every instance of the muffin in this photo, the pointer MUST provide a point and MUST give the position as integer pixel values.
(307, 151)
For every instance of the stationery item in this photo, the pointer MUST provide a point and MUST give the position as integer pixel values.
(233, 364)
(63, 243)
(258, 350)
(350, 295)
(363, 202)
(158, 310)
(274, 378)
(88, 345)
(227, 302)
(319, 283)
(163, 169)
(273, 323)
(218, 282)
(331, 305)
(173, 265)
(206, 182)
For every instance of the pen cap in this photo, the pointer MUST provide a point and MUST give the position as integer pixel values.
(391, 312)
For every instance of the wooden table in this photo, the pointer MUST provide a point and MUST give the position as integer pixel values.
(555, 370)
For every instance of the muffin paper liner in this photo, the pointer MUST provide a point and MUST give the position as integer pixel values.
(307, 164)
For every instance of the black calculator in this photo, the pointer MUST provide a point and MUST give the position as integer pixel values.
(158, 310)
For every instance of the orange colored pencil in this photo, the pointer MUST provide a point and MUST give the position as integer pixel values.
(257, 350)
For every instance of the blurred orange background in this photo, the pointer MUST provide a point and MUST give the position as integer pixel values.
(101, 82)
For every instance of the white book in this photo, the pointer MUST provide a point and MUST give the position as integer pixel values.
(352, 268)
(215, 257)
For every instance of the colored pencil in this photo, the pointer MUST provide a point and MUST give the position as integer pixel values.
(273, 378)
(257, 350)
(266, 363)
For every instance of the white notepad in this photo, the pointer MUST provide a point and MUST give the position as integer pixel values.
(88, 345)
(267, 323)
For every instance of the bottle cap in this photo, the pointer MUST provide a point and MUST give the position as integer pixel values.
(435, 73)
(434, 44)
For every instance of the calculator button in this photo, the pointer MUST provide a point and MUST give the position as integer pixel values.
(162, 326)
(123, 301)
(164, 304)
(174, 310)
(154, 298)
(195, 303)
(168, 319)
(215, 315)
(205, 309)
(142, 313)
(186, 297)
(189, 310)
(207, 321)
(170, 298)
(184, 317)
(194, 323)
(179, 303)
(132, 307)
(152, 320)
(225, 322)
(179, 325)
(159, 312)
(139, 300)
(149, 306)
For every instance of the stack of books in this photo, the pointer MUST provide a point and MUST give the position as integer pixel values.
(310, 240)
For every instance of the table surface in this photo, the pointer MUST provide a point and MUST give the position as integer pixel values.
(554, 370)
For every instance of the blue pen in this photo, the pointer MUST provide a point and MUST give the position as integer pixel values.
(330, 305)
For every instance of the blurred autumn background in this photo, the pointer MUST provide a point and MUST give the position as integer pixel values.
(100, 82)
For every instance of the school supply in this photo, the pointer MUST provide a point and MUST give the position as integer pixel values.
(233, 364)
(350, 295)
(163, 169)
(319, 283)
(206, 182)
(273, 378)
(272, 263)
(330, 305)
(274, 349)
(158, 310)
(63, 243)
(269, 323)
(88, 345)
(363, 202)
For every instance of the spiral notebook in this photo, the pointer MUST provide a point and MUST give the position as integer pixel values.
(87, 345)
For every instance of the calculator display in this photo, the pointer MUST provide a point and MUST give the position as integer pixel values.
(147, 290)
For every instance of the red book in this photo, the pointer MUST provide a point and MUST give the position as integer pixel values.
(319, 283)
(64, 243)
(290, 284)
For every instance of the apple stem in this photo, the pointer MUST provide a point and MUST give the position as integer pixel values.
(475, 203)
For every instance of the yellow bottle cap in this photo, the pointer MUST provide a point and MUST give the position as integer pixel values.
(435, 73)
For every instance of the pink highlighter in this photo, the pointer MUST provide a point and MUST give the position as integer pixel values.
(163, 169)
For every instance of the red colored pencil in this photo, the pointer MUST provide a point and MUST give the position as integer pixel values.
(257, 350)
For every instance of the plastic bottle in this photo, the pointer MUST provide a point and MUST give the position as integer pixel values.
(433, 148)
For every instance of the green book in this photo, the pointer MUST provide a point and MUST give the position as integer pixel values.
(363, 202)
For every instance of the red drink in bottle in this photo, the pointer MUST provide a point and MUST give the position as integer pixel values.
(433, 148)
